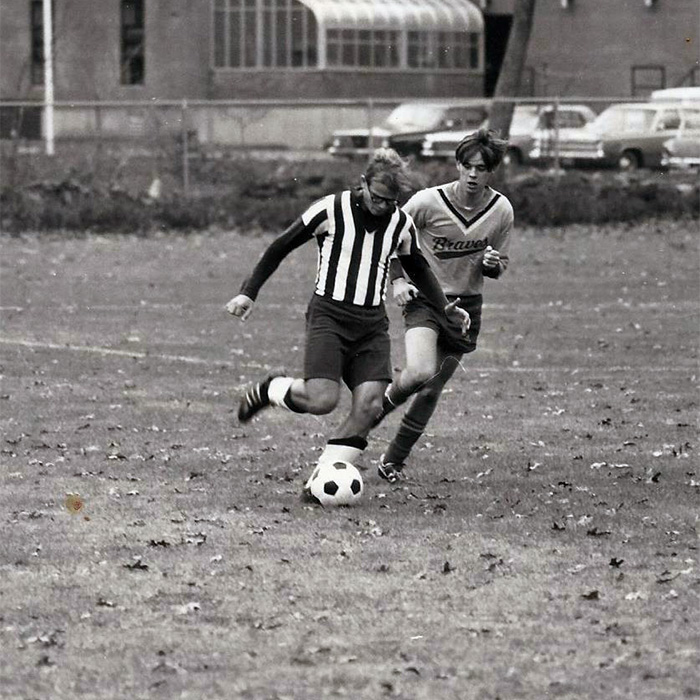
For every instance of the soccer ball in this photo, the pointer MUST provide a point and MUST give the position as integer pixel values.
(336, 483)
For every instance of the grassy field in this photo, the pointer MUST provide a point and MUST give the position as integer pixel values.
(546, 545)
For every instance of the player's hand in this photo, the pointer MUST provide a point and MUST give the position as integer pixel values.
(241, 306)
(461, 316)
(403, 291)
(491, 257)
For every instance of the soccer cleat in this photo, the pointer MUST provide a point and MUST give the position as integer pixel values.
(255, 399)
(390, 471)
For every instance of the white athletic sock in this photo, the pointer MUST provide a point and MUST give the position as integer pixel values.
(333, 452)
(278, 389)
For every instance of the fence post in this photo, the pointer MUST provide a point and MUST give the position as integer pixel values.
(370, 126)
(557, 164)
(185, 154)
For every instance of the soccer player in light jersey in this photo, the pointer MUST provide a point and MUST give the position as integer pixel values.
(357, 232)
(464, 230)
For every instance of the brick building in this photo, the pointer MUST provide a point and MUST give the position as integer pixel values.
(228, 49)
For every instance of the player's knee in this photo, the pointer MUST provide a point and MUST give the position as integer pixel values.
(323, 403)
(418, 376)
(372, 405)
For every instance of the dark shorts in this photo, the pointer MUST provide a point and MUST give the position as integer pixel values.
(418, 313)
(347, 342)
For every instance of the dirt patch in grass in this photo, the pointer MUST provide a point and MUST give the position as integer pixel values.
(545, 546)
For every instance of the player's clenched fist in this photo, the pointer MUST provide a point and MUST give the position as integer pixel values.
(241, 306)
(491, 257)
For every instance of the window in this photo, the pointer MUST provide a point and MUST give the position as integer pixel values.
(647, 78)
(133, 63)
(263, 34)
(254, 34)
(366, 48)
(447, 50)
(36, 9)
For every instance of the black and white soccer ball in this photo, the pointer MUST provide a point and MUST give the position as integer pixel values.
(336, 483)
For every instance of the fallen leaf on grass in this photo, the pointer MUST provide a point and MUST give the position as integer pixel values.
(137, 565)
(667, 576)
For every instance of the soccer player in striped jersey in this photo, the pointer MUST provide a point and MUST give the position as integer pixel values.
(356, 232)
(464, 229)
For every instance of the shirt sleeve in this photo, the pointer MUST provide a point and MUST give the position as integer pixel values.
(408, 238)
(423, 277)
(501, 243)
(296, 235)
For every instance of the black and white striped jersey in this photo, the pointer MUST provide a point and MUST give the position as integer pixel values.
(354, 247)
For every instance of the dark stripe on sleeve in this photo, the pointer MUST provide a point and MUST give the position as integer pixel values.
(317, 220)
(465, 221)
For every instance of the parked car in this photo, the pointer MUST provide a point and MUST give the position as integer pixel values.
(677, 94)
(405, 128)
(683, 150)
(531, 125)
(626, 136)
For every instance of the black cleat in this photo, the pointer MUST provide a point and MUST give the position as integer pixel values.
(255, 399)
(390, 471)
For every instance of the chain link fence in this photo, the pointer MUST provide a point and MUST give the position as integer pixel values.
(176, 138)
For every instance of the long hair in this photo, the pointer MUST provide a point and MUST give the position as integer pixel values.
(487, 142)
(387, 166)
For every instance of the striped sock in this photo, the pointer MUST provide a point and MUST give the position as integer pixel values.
(412, 426)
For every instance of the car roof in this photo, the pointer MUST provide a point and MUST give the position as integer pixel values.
(682, 94)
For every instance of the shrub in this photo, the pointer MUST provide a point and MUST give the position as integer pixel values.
(253, 194)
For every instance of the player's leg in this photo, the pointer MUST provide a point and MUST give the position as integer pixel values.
(318, 396)
(421, 366)
(319, 391)
(350, 438)
(416, 418)
(366, 371)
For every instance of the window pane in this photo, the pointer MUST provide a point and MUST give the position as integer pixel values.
(234, 34)
(133, 65)
(249, 38)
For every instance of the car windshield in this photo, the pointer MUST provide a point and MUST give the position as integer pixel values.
(624, 119)
(414, 117)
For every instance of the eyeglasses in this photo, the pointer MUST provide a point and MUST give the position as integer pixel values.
(378, 199)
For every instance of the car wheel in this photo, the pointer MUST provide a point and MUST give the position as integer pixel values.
(629, 160)
(513, 157)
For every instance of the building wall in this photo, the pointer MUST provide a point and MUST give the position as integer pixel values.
(87, 51)
(327, 84)
(596, 43)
